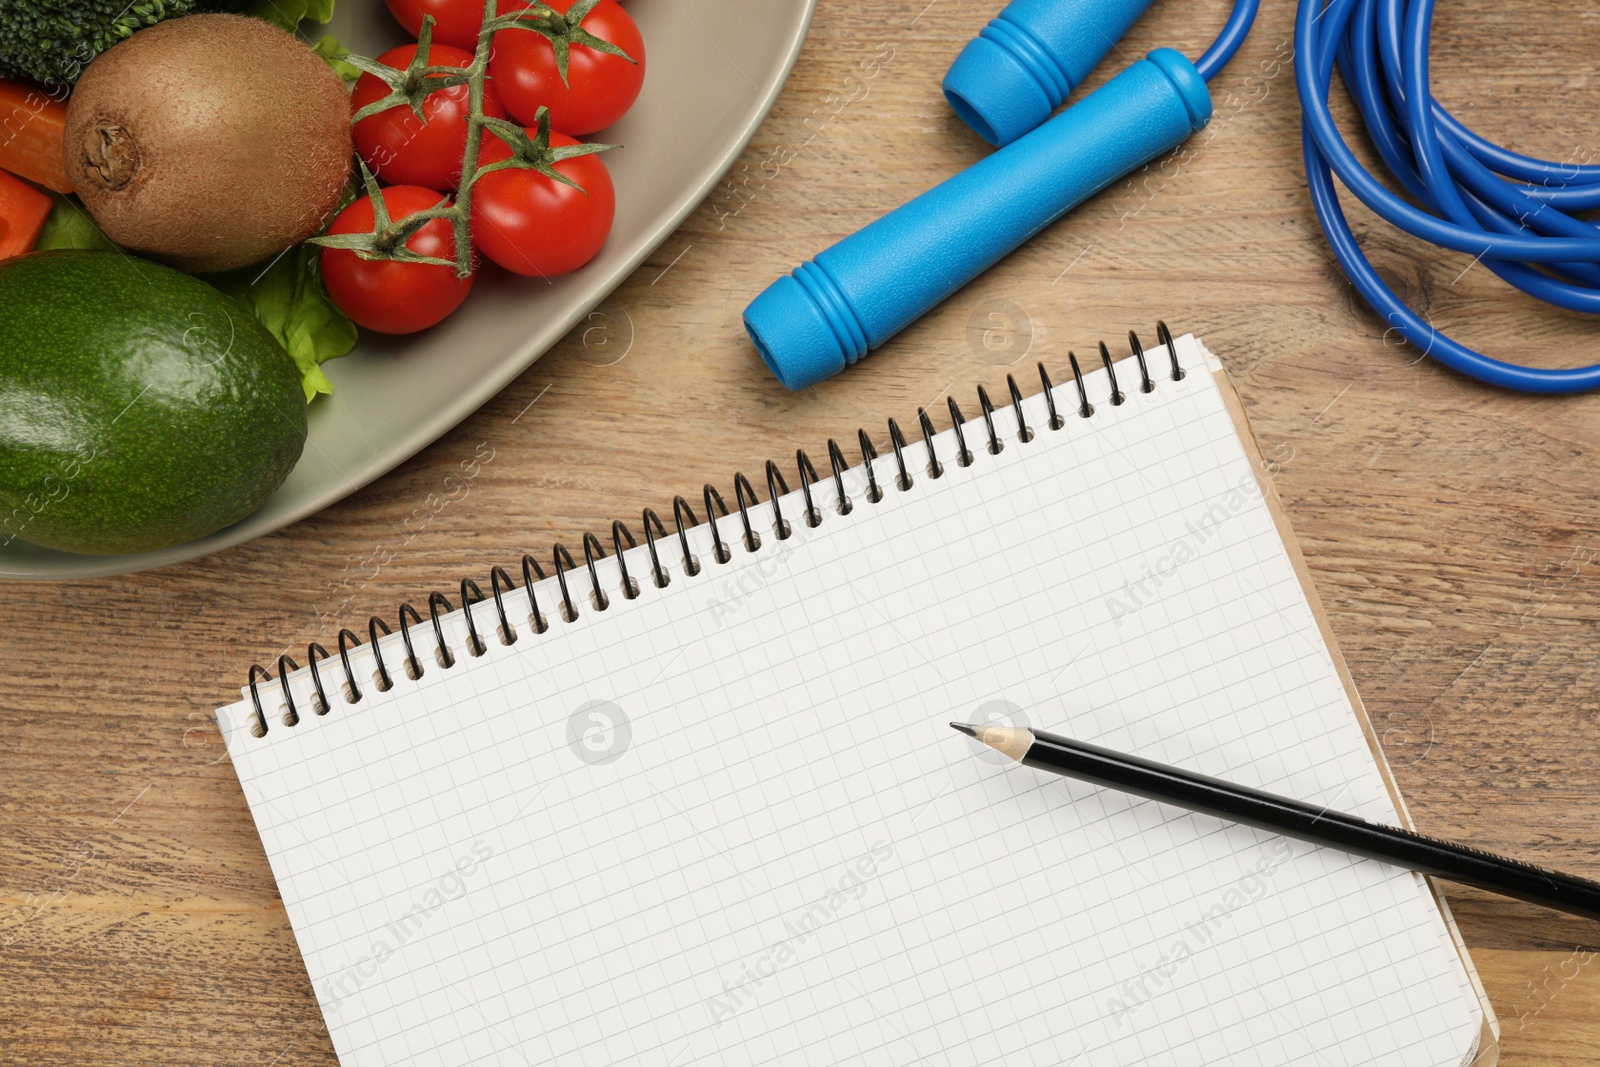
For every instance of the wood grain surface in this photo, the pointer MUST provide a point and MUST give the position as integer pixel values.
(1451, 529)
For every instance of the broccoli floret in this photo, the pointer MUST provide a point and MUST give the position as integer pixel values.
(51, 41)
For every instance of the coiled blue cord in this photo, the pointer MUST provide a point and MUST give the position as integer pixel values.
(1507, 209)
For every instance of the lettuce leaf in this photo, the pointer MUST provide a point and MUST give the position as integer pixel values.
(291, 303)
(290, 13)
(333, 53)
(70, 226)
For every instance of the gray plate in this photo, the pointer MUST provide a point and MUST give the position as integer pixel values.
(715, 68)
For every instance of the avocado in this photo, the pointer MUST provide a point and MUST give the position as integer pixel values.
(139, 407)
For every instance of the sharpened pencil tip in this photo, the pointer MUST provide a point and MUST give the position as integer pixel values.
(1011, 741)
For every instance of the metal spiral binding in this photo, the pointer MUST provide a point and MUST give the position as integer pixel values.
(745, 498)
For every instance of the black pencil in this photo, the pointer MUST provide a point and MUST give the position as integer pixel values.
(1292, 818)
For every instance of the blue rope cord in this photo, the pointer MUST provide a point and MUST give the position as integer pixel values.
(1507, 209)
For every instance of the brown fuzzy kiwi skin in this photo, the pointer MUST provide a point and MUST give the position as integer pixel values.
(209, 141)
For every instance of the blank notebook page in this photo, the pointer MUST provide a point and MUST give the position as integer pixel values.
(726, 822)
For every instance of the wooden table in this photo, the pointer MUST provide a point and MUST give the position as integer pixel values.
(1451, 529)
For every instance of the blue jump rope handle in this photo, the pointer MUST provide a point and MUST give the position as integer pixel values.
(1022, 65)
(865, 289)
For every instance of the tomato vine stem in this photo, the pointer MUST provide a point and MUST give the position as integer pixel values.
(462, 222)
(408, 88)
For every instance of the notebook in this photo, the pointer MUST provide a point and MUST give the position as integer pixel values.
(724, 821)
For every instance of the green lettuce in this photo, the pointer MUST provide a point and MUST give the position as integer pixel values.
(70, 226)
(290, 13)
(333, 53)
(291, 303)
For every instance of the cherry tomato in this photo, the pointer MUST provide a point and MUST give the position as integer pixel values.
(600, 87)
(533, 225)
(405, 150)
(392, 297)
(456, 22)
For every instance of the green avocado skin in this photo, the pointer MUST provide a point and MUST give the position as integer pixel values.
(139, 407)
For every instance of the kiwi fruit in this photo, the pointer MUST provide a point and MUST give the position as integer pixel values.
(209, 141)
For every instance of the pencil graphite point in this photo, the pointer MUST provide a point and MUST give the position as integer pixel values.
(1008, 740)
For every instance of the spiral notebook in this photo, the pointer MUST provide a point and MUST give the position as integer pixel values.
(706, 808)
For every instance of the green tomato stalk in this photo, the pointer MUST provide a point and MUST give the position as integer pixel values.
(410, 87)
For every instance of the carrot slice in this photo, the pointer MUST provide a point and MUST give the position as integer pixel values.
(23, 210)
(32, 123)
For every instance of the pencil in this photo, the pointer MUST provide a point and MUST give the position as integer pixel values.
(1292, 818)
